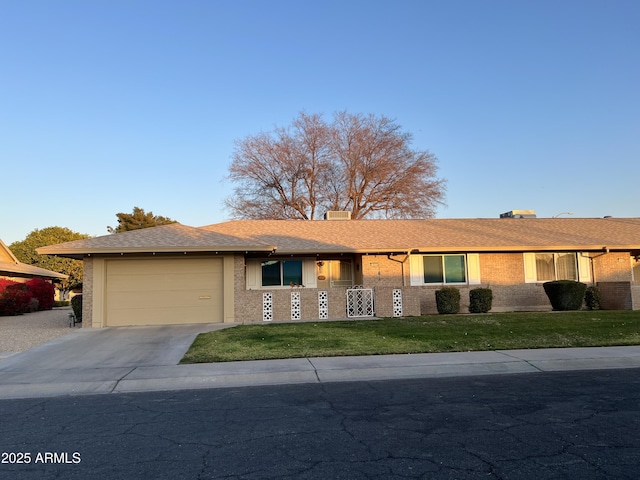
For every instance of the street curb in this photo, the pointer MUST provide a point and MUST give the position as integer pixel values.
(311, 370)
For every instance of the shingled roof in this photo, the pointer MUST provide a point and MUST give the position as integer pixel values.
(370, 236)
(170, 238)
(11, 267)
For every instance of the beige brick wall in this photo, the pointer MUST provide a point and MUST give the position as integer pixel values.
(380, 271)
(502, 272)
(612, 267)
(525, 297)
(250, 309)
(502, 268)
(384, 301)
(249, 304)
(243, 304)
(615, 295)
(612, 274)
(635, 296)
(87, 292)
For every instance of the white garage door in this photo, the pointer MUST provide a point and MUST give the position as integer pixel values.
(164, 291)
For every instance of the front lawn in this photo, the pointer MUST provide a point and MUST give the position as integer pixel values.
(435, 333)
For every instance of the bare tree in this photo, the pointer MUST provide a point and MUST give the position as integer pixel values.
(358, 163)
(279, 175)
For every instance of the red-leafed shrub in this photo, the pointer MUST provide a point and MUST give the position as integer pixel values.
(6, 306)
(15, 300)
(4, 283)
(42, 291)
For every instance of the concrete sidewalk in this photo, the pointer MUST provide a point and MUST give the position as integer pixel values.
(137, 359)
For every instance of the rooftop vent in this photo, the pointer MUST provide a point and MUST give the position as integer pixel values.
(337, 215)
(519, 214)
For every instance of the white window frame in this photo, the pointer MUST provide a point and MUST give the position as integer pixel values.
(583, 267)
(253, 273)
(471, 263)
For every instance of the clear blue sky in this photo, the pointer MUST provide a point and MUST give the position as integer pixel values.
(110, 104)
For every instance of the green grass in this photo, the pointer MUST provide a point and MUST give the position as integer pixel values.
(436, 333)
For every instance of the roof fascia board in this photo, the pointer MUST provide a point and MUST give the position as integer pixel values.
(523, 248)
(174, 249)
(497, 249)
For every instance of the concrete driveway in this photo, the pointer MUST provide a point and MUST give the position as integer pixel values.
(95, 360)
(113, 347)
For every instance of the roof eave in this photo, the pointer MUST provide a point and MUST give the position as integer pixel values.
(24, 270)
(459, 248)
(520, 248)
(81, 252)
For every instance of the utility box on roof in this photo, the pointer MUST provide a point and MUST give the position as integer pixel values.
(337, 215)
(519, 214)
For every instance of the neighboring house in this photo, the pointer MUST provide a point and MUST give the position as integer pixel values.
(12, 269)
(261, 270)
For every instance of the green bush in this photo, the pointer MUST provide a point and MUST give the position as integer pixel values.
(480, 300)
(448, 300)
(76, 305)
(593, 298)
(64, 303)
(565, 294)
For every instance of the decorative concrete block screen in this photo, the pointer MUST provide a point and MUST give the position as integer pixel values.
(397, 302)
(295, 305)
(267, 307)
(323, 304)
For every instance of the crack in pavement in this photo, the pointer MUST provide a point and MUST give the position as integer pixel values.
(115, 386)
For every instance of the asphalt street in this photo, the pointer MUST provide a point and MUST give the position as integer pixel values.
(551, 425)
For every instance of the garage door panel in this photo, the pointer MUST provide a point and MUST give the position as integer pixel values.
(144, 283)
(159, 316)
(164, 291)
(155, 299)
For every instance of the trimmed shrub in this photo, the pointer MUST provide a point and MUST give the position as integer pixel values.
(76, 306)
(448, 300)
(34, 305)
(43, 291)
(15, 300)
(480, 300)
(4, 283)
(565, 294)
(7, 306)
(593, 298)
